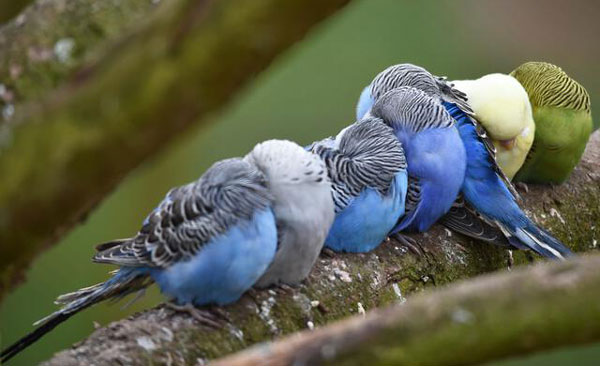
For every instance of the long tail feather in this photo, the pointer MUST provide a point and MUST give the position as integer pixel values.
(124, 282)
(542, 242)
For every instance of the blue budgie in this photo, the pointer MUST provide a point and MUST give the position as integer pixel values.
(485, 187)
(367, 168)
(434, 153)
(208, 241)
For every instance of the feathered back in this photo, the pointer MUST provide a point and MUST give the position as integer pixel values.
(411, 109)
(190, 216)
(285, 162)
(548, 85)
(366, 154)
(417, 77)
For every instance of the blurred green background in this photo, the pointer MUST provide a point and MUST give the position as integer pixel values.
(307, 94)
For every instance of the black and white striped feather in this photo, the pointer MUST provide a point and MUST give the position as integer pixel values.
(190, 216)
(366, 154)
(411, 109)
(464, 219)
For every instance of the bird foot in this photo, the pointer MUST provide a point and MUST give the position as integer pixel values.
(326, 252)
(521, 186)
(284, 289)
(213, 317)
(511, 260)
(411, 244)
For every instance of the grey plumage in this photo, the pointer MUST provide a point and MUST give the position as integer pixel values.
(190, 215)
(366, 154)
(303, 208)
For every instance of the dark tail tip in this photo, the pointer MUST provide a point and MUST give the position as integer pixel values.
(29, 339)
(545, 244)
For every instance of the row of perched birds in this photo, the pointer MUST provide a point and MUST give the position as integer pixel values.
(422, 150)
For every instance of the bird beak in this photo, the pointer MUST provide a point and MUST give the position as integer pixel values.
(508, 144)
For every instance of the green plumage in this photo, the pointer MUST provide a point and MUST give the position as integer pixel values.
(563, 122)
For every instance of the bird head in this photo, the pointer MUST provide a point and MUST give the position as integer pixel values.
(502, 107)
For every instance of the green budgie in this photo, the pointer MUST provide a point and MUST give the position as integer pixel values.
(563, 122)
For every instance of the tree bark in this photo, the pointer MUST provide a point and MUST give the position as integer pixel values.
(468, 323)
(126, 100)
(346, 284)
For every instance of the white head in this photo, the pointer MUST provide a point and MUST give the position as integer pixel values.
(284, 161)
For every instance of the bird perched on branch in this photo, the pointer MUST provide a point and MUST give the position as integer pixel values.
(211, 240)
(483, 184)
(502, 107)
(435, 156)
(367, 168)
(563, 122)
(303, 208)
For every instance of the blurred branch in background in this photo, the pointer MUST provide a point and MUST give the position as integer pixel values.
(348, 284)
(10, 8)
(469, 323)
(61, 155)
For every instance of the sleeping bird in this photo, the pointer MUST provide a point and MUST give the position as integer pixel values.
(502, 107)
(435, 155)
(367, 168)
(211, 240)
(303, 208)
(484, 186)
(563, 122)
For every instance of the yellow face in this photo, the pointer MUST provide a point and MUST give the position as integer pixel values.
(502, 107)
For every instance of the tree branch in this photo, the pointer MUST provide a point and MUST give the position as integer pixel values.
(346, 284)
(469, 323)
(66, 152)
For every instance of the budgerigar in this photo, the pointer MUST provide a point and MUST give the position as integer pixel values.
(367, 167)
(207, 242)
(484, 185)
(435, 155)
(503, 109)
(303, 208)
(563, 122)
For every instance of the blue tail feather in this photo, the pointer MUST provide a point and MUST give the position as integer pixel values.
(485, 190)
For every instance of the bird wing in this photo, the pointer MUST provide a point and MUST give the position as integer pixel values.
(187, 219)
(465, 220)
(411, 204)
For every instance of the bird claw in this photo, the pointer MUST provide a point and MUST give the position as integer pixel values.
(411, 244)
(522, 187)
(511, 260)
(326, 252)
(213, 317)
(284, 289)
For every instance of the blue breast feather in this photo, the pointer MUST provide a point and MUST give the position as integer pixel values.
(368, 219)
(225, 267)
(365, 102)
(436, 157)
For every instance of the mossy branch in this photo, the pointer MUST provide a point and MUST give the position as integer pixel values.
(468, 323)
(60, 156)
(348, 284)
